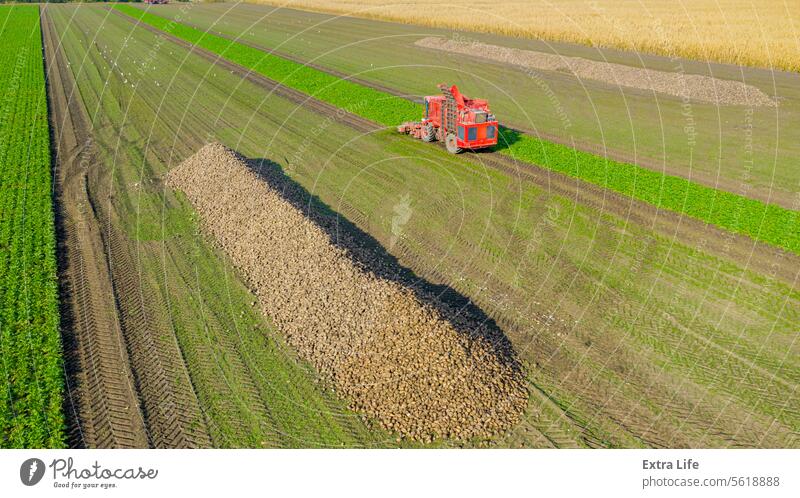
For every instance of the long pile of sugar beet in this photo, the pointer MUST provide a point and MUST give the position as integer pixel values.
(423, 370)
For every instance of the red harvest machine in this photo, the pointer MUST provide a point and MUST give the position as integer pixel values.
(460, 122)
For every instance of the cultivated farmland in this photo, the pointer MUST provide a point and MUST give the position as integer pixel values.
(415, 364)
(30, 346)
(213, 373)
(748, 150)
(705, 30)
(315, 279)
(768, 223)
(605, 299)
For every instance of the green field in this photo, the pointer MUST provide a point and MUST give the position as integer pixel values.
(30, 344)
(739, 214)
(749, 151)
(765, 222)
(252, 389)
(632, 336)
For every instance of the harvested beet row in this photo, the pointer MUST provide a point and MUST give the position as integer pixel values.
(417, 367)
(675, 83)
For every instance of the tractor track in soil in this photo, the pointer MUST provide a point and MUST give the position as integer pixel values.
(272, 86)
(128, 383)
(682, 229)
(339, 74)
(102, 403)
(169, 402)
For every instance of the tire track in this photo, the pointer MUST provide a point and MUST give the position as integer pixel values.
(169, 402)
(125, 356)
(207, 352)
(102, 405)
(742, 250)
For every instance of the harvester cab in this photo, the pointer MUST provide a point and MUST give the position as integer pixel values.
(460, 122)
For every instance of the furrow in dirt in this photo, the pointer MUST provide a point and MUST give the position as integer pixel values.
(128, 382)
(410, 361)
(102, 404)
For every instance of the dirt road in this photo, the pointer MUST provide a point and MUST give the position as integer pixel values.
(102, 401)
(127, 380)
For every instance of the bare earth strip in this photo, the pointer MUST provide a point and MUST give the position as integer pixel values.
(424, 370)
(131, 388)
(102, 402)
(686, 86)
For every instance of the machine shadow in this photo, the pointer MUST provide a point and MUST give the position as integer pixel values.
(368, 253)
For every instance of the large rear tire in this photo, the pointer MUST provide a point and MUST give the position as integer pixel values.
(428, 133)
(451, 144)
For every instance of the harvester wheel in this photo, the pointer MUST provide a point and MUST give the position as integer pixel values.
(451, 144)
(429, 133)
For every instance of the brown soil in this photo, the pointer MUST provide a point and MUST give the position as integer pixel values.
(102, 403)
(687, 86)
(418, 366)
(127, 381)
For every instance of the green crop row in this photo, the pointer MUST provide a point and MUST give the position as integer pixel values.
(31, 368)
(765, 222)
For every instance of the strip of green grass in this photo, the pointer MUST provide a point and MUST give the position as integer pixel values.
(30, 344)
(765, 222)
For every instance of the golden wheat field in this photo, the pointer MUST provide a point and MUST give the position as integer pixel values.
(763, 33)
